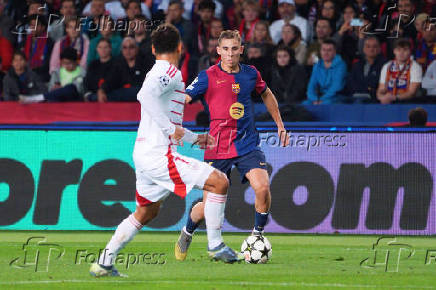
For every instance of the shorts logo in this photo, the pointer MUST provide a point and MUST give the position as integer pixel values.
(235, 88)
(236, 110)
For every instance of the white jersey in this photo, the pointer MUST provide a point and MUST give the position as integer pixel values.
(162, 99)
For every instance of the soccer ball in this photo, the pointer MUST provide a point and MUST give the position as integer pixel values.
(256, 249)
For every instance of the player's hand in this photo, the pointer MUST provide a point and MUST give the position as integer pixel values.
(188, 99)
(101, 96)
(178, 134)
(283, 137)
(205, 141)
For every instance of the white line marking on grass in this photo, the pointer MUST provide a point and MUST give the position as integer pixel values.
(238, 283)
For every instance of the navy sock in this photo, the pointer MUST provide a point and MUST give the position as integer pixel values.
(260, 220)
(191, 226)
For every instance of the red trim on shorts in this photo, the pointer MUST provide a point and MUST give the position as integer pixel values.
(142, 201)
(179, 185)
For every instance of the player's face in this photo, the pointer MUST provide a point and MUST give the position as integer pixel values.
(230, 51)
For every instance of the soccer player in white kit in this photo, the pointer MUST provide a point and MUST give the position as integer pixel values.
(160, 170)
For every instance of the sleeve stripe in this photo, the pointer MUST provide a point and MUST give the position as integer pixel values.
(177, 102)
(169, 69)
(172, 72)
(177, 113)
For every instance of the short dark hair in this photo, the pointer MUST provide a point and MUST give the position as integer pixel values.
(418, 117)
(69, 53)
(207, 4)
(19, 53)
(178, 2)
(324, 19)
(402, 43)
(165, 38)
(330, 41)
(104, 40)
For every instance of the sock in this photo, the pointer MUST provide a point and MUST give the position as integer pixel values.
(124, 233)
(191, 226)
(260, 220)
(214, 215)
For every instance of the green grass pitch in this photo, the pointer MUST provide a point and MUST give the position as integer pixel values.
(298, 262)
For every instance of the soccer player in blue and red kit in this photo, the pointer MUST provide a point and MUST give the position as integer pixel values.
(226, 89)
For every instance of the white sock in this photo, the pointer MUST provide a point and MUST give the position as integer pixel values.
(214, 215)
(124, 233)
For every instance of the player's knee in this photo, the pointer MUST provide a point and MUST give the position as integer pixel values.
(223, 183)
(262, 190)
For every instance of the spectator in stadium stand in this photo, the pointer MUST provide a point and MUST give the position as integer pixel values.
(106, 31)
(206, 10)
(34, 7)
(406, 9)
(91, 23)
(362, 6)
(328, 77)
(21, 80)
(261, 35)
(188, 66)
(126, 25)
(347, 37)
(417, 117)
(250, 12)
(323, 31)
(142, 37)
(6, 52)
(291, 36)
(174, 16)
(330, 11)
(400, 78)
(233, 14)
(419, 23)
(255, 56)
(211, 57)
(191, 9)
(6, 23)
(425, 51)
(429, 81)
(75, 39)
(98, 70)
(314, 12)
(287, 14)
(126, 76)
(116, 9)
(288, 78)
(66, 83)
(216, 27)
(365, 74)
(37, 46)
(56, 29)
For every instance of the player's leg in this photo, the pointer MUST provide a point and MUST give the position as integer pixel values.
(197, 215)
(124, 233)
(259, 181)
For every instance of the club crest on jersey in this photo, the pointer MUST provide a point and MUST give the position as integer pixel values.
(236, 110)
(235, 88)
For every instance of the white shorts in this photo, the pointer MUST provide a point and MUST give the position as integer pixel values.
(158, 176)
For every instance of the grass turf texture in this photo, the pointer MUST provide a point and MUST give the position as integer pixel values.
(298, 262)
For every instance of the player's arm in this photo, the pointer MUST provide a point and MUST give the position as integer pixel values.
(198, 87)
(272, 106)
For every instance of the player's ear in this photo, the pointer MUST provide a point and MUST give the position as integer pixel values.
(241, 50)
(153, 50)
(179, 47)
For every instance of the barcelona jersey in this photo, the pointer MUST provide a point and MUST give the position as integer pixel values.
(228, 97)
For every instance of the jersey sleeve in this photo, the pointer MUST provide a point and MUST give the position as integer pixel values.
(260, 83)
(198, 87)
(153, 88)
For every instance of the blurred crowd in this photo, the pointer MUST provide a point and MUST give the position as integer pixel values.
(308, 51)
